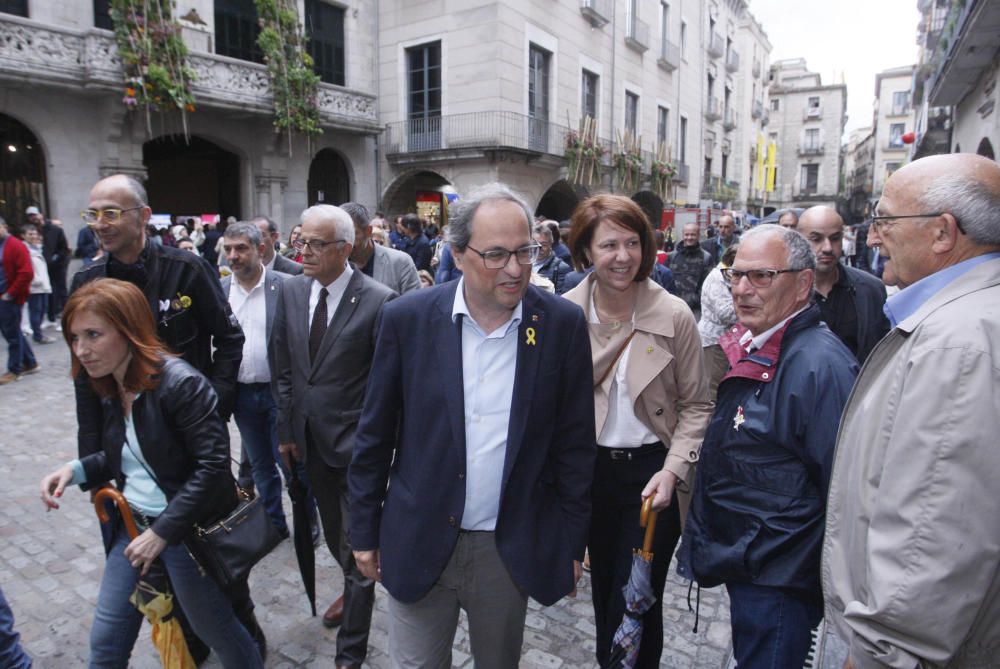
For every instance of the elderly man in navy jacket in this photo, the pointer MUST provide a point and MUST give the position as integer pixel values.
(759, 503)
(475, 452)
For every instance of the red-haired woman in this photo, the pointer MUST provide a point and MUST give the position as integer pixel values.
(651, 404)
(167, 450)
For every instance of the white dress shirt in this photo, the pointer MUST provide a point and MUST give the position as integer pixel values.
(621, 427)
(489, 362)
(335, 291)
(250, 308)
(750, 342)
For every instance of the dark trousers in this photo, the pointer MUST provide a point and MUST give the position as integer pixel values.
(329, 485)
(614, 533)
(19, 354)
(38, 303)
(771, 629)
(57, 277)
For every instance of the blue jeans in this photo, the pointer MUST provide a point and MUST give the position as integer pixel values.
(38, 303)
(117, 621)
(19, 354)
(771, 629)
(256, 417)
(11, 655)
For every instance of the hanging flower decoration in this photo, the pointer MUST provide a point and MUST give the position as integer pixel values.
(153, 55)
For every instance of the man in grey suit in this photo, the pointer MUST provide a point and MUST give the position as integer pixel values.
(323, 343)
(387, 266)
(272, 260)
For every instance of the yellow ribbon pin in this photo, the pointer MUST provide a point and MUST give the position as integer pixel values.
(530, 334)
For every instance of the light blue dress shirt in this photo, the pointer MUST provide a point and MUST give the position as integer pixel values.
(141, 490)
(489, 362)
(906, 302)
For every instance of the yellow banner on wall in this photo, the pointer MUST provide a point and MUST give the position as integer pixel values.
(772, 160)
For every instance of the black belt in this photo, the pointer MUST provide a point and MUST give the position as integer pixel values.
(631, 453)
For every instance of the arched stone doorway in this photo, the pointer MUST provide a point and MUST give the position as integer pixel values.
(559, 201)
(986, 149)
(402, 196)
(191, 177)
(22, 172)
(329, 179)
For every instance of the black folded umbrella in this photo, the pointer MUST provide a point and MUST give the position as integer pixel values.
(305, 551)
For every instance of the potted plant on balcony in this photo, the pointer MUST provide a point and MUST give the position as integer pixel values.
(294, 84)
(583, 153)
(154, 59)
(662, 172)
(628, 161)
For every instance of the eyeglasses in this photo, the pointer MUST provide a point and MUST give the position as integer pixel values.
(315, 245)
(759, 278)
(109, 215)
(498, 258)
(878, 222)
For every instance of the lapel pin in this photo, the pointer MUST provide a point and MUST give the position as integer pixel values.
(530, 336)
(649, 349)
(534, 318)
(354, 299)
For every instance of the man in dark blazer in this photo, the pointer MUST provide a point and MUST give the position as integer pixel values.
(273, 260)
(479, 418)
(389, 267)
(323, 341)
(253, 296)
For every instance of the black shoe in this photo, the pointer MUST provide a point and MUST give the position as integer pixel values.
(283, 532)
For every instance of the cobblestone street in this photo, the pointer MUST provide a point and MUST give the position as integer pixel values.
(50, 566)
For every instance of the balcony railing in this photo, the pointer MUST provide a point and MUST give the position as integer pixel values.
(88, 60)
(811, 149)
(729, 119)
(474, 132)
(755, 70)
(812, 113)
(757, 109)
(716, 47)
(765, 118)
(713, 110)
(637, 35)
(899, 110)
(732, 61)
(670, 55)
(683, 173)
(598, 12)
(717, 188)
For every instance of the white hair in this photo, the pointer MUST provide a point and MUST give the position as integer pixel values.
(340, 218)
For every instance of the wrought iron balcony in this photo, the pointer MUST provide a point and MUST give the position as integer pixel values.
(683, 173)
(732, 61)
(757, 109)
(88, 60)
(811, 149)
(812, 113)
(637, 35)
(729, 119)
(716, 47)
(670, 55)
(469, 135)
(598, 12)
(755, 69)
(713, 109)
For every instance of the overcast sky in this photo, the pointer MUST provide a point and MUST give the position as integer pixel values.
(849, 38)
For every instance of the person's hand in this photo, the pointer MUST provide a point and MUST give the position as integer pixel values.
(144, 549)
(849, 663)
(577, 573)
(53, 485)
(661, 487)
(289, 453)
(369, 563)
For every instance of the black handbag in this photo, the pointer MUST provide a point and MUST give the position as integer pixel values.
(229, 548)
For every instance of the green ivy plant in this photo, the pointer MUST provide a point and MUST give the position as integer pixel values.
(294, 84)
(154, 59)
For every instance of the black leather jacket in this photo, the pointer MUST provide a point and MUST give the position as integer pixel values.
(189, 327)
(185, 443)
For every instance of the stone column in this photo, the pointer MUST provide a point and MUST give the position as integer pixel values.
(270, 196)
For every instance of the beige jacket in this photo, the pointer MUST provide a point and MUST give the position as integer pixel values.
(666, 374)
(911, 556)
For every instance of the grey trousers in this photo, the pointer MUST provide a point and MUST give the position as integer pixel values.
(421, 634)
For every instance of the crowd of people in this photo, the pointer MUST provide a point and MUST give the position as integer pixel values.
(472, 439)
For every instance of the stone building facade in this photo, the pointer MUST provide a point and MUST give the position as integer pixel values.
(893, 118)
(807, 121)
